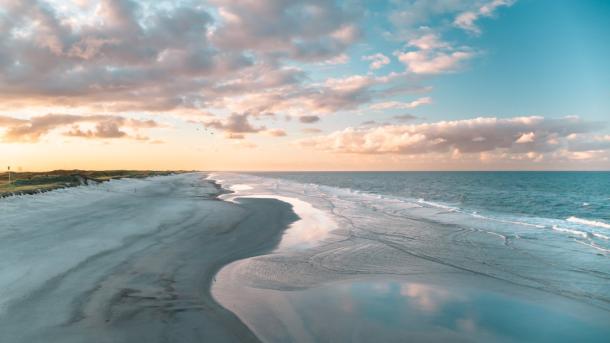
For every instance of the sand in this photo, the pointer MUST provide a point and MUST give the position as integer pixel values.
(127, 261)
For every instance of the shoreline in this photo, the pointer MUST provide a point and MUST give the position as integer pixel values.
(115, 268)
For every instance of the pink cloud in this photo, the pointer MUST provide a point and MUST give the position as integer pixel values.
(527, 136)
(106, 126)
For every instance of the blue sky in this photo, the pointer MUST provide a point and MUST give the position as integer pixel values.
(537, 58)
(543, 57)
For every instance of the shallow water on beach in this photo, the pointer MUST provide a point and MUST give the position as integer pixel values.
(373, 266)
(390, 310)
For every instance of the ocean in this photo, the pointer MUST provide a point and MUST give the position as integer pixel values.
(435, 256)
(575, 197)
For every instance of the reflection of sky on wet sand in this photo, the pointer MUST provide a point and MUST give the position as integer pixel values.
(394, 311)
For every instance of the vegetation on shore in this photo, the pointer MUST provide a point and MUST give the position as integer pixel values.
(36, 182)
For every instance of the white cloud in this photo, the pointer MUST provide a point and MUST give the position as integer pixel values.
(426, 62)
(396, 105)
(429, 41)
(377, 60)
(467, 19)
(526, 138)
(433, 56)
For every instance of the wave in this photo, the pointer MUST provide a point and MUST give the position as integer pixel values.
(599, 235)
(593, 245)
(515, 222)
(475, 214)
(438, 205)
(570, 231)
(588, 222)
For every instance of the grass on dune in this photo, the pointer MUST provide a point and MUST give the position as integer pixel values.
(34, 182)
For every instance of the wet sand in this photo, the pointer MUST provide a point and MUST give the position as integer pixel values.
(127, 261)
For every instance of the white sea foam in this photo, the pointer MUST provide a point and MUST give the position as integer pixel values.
(599, 235)
(240, 187)
(438, 205)
(570, 231)
(587, 222)
(474, 214)
(593, 245)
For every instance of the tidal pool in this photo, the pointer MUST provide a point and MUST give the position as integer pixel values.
(400, 311)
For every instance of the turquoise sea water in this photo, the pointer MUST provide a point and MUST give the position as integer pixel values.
(557, 195)
(576, 202)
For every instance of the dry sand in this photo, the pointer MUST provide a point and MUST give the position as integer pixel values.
(127, 261)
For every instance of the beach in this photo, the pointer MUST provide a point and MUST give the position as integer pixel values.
(228, 257)
(127, 260)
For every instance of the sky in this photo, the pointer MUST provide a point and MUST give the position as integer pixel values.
(305, 84)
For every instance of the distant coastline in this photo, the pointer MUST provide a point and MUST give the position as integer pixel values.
(24, 183)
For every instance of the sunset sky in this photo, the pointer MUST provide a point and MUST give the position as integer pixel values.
(305, 85)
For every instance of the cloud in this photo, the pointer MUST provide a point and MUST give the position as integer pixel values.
(234, 126)
(124, 56)
(304, 30)
(179, 58)
(526, 138)
(405, 117)
(396, 105)
(536, 136)
(424, 62)
(208, 59)
(112, 55)
(233, 135)
(371, 123)
(311, 130)
(106, 129)
(323, 98)
(428, 41)
(340, 59)
(467, 19)
(274, 132)
(106, 126)
(309, 119)
(9, 121)
(377, 60)
(433, 56)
